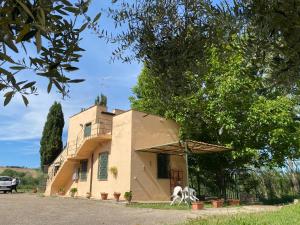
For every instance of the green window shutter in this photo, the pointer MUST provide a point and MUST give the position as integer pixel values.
(163, 162)
(102, 166)
(87, 130)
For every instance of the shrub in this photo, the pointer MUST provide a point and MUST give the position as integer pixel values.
(73, 191)
(128, 196)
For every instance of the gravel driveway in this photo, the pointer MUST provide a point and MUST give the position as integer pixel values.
(29, 209)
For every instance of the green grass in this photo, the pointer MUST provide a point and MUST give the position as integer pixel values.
(288, 215)
(182, 206)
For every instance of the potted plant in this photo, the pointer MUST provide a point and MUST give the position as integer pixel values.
(197, 205)
(88, 195)
(104, 195)
(34, 190)
(73, 191)
(117, 196)
(233, 202)
(61, 191)
(217, 203)
(114, 171)
(128, 196)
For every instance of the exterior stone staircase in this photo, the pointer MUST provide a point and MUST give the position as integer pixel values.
(66, 159)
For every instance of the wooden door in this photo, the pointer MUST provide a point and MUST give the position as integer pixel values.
(176, 179)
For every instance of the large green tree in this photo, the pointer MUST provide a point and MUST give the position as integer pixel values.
(202, 69)
(51, 143)
(226, 104)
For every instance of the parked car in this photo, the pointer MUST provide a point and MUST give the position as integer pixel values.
(6, 184)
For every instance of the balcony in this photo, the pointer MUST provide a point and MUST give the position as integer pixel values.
(87, 139)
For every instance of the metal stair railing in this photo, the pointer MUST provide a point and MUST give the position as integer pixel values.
(60, 159)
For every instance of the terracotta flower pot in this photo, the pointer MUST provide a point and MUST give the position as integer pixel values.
(104, 196)
(233, 202)
(61, 193)
(117, 196)
(197, 205)
(88, 195)
(217, 203)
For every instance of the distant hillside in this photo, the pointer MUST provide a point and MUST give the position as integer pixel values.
(34, 172)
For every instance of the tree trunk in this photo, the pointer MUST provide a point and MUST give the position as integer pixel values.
(294, 178)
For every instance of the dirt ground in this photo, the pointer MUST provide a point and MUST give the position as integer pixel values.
(30, 209)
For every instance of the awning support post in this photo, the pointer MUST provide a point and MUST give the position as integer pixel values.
(187, 169)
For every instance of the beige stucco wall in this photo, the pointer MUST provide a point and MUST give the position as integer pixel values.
(119, 156)
(149, 130)
(105, 123)
(69, 183)
(82, 118)
(118, 111)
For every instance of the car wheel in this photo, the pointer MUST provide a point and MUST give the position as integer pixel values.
(4, 192)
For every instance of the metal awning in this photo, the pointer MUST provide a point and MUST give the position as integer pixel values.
(185, 147)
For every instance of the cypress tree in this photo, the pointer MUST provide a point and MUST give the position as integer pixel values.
(51, 142)
(101, 100)
(97, 100)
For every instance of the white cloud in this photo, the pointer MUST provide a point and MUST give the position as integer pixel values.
(23, 123)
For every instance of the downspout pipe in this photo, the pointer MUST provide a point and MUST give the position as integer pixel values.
(91, 177)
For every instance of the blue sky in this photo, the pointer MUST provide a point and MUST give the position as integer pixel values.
(21, 127)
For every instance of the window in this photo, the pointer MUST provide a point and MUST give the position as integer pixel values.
(5, 179)
(102, 166)
(87, 129)
(83, 170)
(163, 165)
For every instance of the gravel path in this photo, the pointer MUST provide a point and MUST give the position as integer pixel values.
(29, 209)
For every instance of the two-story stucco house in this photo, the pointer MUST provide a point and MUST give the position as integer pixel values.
(144, 151)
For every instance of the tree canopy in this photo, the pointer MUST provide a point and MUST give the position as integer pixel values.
(214, 69)
(272, 28)
(156, 31)
(54, 29)
(226, 104)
